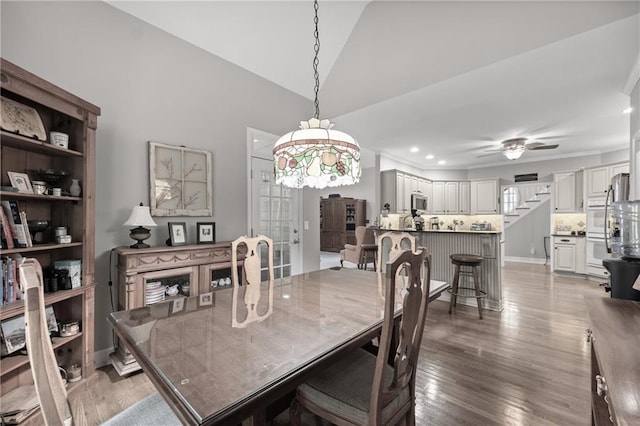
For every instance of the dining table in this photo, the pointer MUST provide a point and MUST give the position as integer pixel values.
(213, 368)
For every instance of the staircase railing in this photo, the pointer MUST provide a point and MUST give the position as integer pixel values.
(523, 196)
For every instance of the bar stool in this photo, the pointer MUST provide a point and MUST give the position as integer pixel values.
(470, 262)
(368, 253)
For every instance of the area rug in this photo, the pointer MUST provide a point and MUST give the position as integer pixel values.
(152, 410)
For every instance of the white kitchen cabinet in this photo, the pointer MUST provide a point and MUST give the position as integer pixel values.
(564, 254)
(396, 188)
(565, 192)
(438, 197)
(445, 197)
(618, 168)
(427, 191)
(451, 197)
(484, 196)
(581, 255)
(570, 254)
(598, 179)
(464, 192)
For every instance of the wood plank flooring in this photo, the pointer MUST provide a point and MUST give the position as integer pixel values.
(526, 365)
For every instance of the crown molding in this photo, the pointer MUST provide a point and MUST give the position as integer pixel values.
(633, 79)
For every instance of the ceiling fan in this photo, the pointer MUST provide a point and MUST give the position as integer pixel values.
(515, 147)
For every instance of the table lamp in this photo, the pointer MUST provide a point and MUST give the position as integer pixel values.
(140, 218)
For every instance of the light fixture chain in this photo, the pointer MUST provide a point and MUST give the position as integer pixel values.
(316, 48)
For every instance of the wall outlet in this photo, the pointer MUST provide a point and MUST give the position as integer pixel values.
(533, 250)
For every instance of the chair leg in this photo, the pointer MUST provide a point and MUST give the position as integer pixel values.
(341, 263)
(295, 412)
(476, 285)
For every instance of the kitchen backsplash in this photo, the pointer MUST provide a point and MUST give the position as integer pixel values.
(568, 222)
(401, 221)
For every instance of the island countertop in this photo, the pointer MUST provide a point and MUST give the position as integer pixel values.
(463, 231)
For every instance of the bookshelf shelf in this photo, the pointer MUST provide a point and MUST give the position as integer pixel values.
(12, 363)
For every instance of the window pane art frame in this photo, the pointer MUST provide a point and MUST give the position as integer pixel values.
(180, 181)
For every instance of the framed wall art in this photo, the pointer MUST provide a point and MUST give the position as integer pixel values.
(178, 233)
(180, 181)
(21, 182)
(206, 232)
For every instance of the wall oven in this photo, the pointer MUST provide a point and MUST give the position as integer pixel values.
(595, 217)
(596, 253)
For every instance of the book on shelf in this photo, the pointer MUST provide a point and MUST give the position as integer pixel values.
(12, 210)
(25, 226)
(7, 233)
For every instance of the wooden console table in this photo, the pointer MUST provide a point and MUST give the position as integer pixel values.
(202, 263)
(615, 365)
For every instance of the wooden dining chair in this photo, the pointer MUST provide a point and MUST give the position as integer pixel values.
(259, 252)
(391, 243)
(49, 385)
(362, 388)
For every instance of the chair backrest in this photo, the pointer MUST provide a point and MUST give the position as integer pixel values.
(51, 390)
(250, 288)
(415, 297)
(394, 242)
(364, 235)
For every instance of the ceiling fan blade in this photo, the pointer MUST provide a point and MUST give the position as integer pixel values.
(535, 148)
(534, 145)
(545, 138)
(488, 155)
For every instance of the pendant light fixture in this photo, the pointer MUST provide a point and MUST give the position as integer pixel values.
(316, 155)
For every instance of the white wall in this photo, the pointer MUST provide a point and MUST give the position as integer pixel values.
(151, 87)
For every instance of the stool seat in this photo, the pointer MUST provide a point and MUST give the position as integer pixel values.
(470, 262)
(466, 259)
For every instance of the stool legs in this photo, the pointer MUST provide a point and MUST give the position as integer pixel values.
(454, 288)
(456, 284)
(476, 285)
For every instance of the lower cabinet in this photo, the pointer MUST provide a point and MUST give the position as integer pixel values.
(569, 254)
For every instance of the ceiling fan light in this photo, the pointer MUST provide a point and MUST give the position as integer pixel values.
(513, 153)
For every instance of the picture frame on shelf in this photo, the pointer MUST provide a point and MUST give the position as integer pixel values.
(206, 232)
(180, 181)
(177, 233)
(205, 299)
(21, 182)
(21, 119)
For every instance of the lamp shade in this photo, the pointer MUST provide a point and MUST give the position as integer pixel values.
(140, 216)
(316, 156)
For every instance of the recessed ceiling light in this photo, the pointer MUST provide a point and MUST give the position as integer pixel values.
(255, 140)
(441, 162)
(415, 149)
(429, 157)
(627, 110)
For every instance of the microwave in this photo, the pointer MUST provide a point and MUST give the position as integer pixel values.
(418, 202)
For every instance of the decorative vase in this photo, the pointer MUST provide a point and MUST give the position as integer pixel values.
(75, 189)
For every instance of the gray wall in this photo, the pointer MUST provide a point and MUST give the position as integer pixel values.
(528, 233)
(150, 86)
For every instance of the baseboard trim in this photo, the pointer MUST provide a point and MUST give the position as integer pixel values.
(101, 358)
(534, 260)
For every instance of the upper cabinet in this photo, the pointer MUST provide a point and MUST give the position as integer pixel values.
(484, 196)
(565, 192)
(396, 188)
(464, 192)
(598, 179)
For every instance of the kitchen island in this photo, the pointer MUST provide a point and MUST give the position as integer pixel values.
(442, 244)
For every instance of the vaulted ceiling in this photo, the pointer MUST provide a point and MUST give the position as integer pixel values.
(452, 79)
